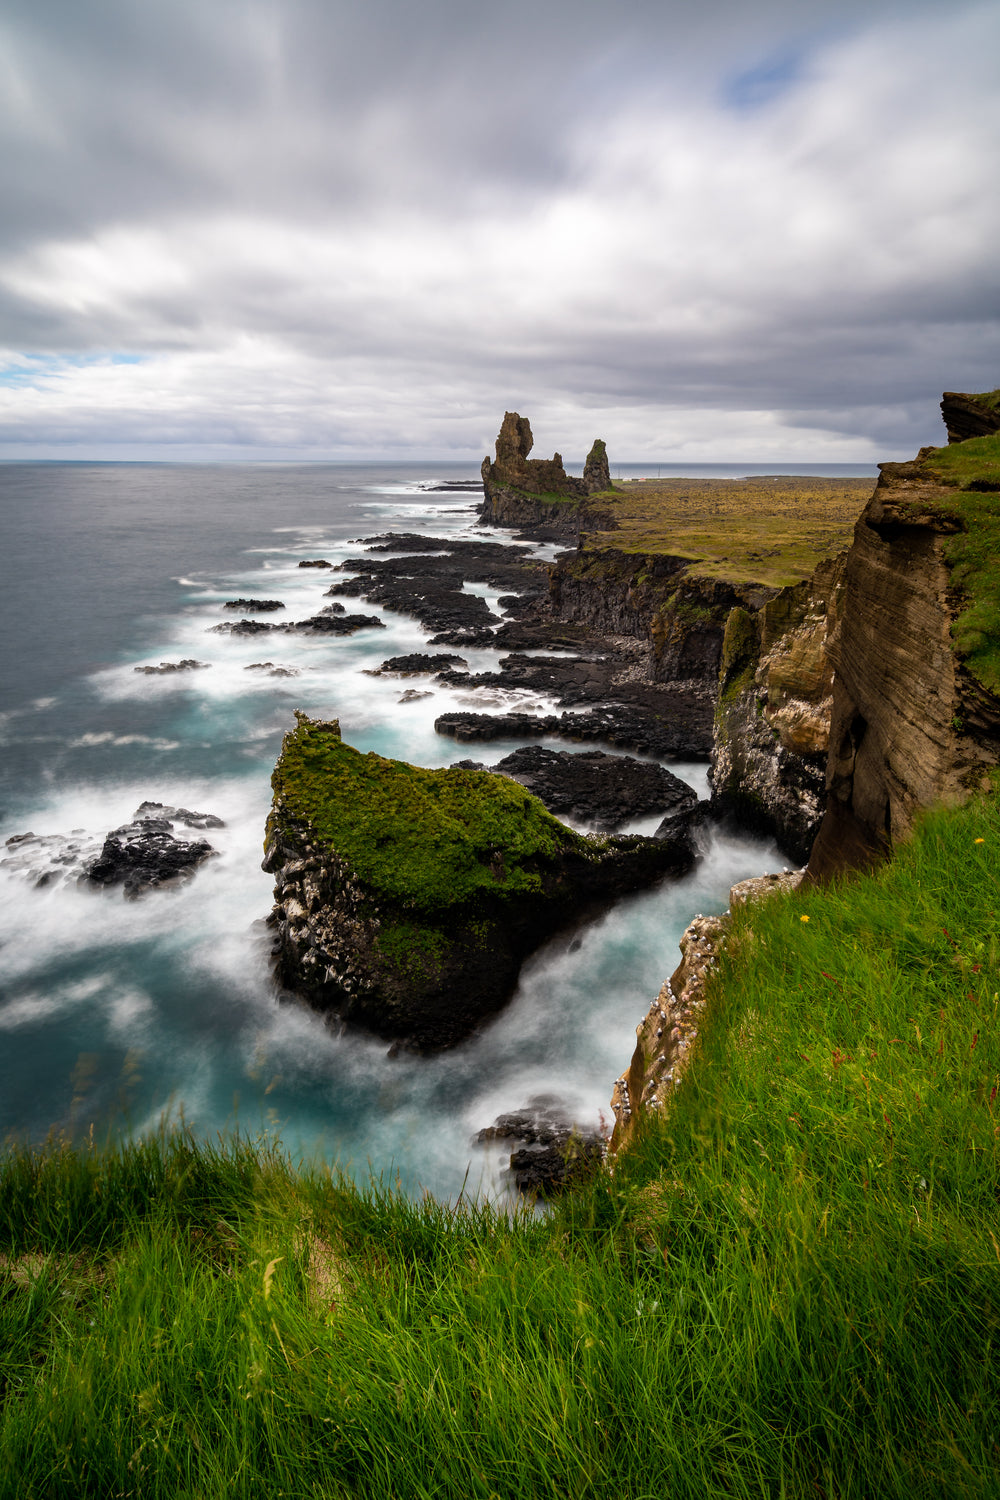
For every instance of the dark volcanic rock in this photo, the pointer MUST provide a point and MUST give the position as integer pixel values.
(632, 727)
(439, 604)
(271, 669)
(187, 665)
(316, 562)
(260, 605)
(144, 854)
(604, 790)
(337, 624)
(151, 851)
(424, 578)
(177, 815)
(552, 1150)
(419, 663)
(243, 627)
(406, 900)
(968, 416)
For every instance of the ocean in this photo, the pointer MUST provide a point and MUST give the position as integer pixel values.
(117, 1015)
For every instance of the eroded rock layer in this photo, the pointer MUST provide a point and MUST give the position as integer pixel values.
(909, 726)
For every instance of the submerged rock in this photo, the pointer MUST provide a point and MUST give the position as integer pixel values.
(187, 665)
(407, 899)
(254, 604)
(272, 669)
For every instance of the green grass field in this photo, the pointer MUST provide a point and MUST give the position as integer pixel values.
(789, 1286)
(759, 530)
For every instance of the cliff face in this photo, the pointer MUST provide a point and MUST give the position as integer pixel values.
(910, 726)
(682, 618)
(758, 654)
(968, 416)
(772, 720)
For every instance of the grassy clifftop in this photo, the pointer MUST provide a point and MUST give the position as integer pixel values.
(787, 1286)
(759, 530)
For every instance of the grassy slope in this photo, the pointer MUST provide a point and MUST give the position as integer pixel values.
(973, 552)
(430, 839)
(789, 1286)
(759, 530)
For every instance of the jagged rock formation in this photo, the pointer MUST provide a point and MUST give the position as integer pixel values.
(537, 492)
(772, 720)
(406, 899)
(596, 469)
(968, 416)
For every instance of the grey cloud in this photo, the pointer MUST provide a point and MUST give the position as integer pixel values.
(623, 209)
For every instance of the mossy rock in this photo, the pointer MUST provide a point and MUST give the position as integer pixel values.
(407, 899)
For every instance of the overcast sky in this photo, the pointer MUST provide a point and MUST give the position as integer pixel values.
(701, 229)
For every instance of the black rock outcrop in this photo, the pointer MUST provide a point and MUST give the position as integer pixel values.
(596, 788)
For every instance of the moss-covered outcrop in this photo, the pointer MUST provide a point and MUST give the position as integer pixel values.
(407, 899)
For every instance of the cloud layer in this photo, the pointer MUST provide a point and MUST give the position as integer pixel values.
(269, 227)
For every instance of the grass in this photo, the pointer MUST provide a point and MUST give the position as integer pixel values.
(758, 530)
(788, 1286)
(974, 462)
(970, 473)
(427, 839)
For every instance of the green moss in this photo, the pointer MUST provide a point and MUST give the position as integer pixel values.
(427, 839)
(740, 653)
(548, 497)
(972, 464)
(972, 472)
(419, 952)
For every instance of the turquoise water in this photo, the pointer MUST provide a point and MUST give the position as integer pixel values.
(113, 1012)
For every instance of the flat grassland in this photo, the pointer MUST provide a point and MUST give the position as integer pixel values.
(764, 529)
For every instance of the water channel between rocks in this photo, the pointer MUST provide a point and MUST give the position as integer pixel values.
(116, 1011)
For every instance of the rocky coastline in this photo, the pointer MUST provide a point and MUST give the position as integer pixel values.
(831, 709)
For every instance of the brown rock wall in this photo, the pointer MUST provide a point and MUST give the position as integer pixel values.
(899, 740)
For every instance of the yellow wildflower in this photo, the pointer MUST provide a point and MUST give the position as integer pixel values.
(979, 841)
(803, 919)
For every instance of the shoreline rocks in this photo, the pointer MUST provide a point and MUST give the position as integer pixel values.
(141, 855)
(597, 788)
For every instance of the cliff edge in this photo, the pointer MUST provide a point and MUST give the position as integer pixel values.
(915, 708)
